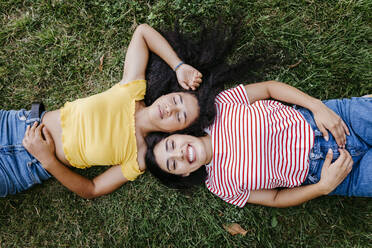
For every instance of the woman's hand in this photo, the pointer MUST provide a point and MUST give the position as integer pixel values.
(188, 77)
(41, 148)
(325, 119)
(334, 173)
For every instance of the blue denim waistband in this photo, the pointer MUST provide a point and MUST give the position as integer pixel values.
(30, 120)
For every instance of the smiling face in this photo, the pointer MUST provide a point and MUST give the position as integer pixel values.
(174, 111)
(182, 154)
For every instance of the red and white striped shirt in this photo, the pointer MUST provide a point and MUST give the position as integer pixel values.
(263, 145)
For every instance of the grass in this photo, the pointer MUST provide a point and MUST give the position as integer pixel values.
(51, 50)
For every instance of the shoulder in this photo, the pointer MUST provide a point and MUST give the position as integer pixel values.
(136, 88)
(137, 83)
(233, 95)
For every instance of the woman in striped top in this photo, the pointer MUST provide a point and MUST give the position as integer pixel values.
(257, 146)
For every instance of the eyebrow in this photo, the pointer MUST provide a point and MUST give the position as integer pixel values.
(168, 164)
(184, 114)
(166, 148)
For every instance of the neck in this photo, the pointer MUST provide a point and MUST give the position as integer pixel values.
(207, 141)
(143, 121)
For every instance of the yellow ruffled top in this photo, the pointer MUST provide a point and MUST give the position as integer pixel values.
(100, 129)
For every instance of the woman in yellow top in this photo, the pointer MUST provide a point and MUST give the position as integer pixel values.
(103, 129)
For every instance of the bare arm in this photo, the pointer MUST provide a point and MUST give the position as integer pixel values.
(146, 39)
(43, 150)
(103, 184)
(324, 117)
(332, 175)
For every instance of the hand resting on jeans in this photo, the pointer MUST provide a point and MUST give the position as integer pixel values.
(334, 173)
(42, 148)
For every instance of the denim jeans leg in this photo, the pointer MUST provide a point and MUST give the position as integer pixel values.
(359, 181)
(357, 114)
(19, 170)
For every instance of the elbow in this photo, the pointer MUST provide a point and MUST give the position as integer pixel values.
(141, 28)
(279, 202)
(88, 196)
(90, 193)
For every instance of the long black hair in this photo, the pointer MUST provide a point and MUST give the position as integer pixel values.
(170, 180)
(207, 52)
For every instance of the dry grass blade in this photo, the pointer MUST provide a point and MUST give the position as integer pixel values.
(295, 65)
(101, 62)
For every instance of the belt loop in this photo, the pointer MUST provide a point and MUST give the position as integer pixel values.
(36, 109)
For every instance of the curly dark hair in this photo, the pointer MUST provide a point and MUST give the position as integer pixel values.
(207, 52)
(195, 178)
(209, 55)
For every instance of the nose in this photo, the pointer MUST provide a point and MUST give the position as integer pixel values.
(170, 109)
(179, 154)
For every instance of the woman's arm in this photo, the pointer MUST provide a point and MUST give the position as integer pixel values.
(324, 117)
(146, 38)
(43, 150)
(332, 175)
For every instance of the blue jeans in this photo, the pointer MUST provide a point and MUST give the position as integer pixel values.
(19, 170)
(357, 114)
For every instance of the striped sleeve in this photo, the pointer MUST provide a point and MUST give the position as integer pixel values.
(237, 198)
(233, 95)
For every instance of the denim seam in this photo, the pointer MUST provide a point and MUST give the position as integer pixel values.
(29, 164)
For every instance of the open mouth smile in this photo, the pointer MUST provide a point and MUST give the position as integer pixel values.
(191, 156)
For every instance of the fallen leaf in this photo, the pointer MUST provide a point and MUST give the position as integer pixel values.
(101, 63)
(295, 65)
(234, 229)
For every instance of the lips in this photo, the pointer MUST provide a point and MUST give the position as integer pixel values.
(191, 155)
(160, 112)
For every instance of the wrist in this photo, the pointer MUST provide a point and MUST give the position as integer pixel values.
(178, 65)
(323, 188)
(48, 162)
(315, 105)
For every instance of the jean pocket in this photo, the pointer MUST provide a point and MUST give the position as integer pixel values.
(16, 164)
(313, 175)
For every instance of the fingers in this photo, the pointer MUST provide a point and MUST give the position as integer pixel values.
(33, 127)
(194, 85)
(33, 131)
(346, 129)
(348, 163)
(329, 157)
(197, 80)
(344, 160)
(38, 130)
(339, 133)
(27, 130)
(342, 156)
(324, 132)
(47, 135)
(199, 75)
(340, 137)
(184, 85)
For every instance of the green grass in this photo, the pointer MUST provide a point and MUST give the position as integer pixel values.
(51, 50)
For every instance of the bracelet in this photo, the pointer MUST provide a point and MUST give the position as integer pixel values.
(177, 66)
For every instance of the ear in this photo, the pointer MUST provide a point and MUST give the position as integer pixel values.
(186, 175)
